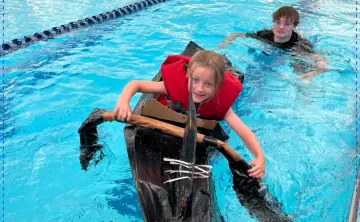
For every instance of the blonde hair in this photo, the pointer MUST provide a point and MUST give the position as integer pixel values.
(211, 60)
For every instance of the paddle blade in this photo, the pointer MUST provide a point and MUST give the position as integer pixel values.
(252, 194)
(89, 138)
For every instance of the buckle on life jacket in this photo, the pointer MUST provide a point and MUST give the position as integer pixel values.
(176, 106)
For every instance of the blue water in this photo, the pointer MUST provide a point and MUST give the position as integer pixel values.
(27, 17)
(307, 130)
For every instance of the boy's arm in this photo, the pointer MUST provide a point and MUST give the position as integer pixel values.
(321, 66)
(249, 139)
(231, 38)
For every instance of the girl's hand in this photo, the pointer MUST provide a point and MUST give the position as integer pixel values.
(122, 111)
(258, 170)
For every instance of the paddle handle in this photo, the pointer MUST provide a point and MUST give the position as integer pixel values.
(150, 123)
(228, 150)
(175, 131)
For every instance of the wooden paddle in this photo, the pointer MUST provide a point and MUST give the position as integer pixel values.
(167, 128)
(248, 190)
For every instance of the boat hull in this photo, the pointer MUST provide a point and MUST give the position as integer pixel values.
(147, 149)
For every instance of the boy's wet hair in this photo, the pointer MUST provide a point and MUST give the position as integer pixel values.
(288, 12)
(212, 60)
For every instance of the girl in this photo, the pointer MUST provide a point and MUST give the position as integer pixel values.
(214, 90)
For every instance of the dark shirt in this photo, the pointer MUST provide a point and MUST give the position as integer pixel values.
(296, 42)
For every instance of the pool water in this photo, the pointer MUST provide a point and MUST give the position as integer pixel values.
(307, 130)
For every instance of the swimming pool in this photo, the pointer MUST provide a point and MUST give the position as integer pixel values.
(306, 130)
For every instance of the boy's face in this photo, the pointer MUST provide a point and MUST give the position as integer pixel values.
(283, 28)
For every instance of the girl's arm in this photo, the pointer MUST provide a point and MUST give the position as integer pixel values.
(122, 110)
(249, 139)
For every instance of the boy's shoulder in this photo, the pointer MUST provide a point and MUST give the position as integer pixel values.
(264, 34)
(304, 45)
(296, 42)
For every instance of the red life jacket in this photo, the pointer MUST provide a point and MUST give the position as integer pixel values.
(173, 72)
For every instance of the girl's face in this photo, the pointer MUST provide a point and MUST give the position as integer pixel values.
(203, 84)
